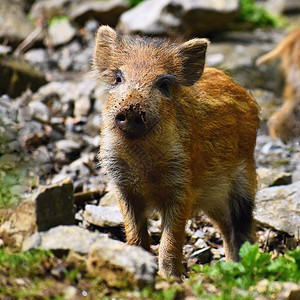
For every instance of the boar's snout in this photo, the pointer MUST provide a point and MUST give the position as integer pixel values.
(132, 122)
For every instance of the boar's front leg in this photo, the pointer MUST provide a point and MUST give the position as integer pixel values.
(173, 238)
(133, 209)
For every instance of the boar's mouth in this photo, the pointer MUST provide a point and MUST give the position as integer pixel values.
(134, 123)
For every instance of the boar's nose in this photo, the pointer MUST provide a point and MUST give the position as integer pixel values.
(131, 122)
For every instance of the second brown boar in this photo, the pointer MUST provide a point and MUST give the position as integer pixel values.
(285, 122)
(176, 137)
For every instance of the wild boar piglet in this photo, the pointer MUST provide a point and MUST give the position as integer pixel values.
(176, 137)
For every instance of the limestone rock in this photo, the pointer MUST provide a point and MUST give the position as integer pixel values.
(103, 216)
(120, 264)
(61, 33)
(54, 205)
(51, 8)
(21, 223)
(14, 25)
(281, 6)
(279, 207)
(109, 199)
(64, 238)
(272, 177)
(106, 12)
(48, 207)
(160, 17)
(239, 57)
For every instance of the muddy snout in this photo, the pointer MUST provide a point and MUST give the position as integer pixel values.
(133, 121)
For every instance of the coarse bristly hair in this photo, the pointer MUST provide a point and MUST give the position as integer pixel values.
(176, 137)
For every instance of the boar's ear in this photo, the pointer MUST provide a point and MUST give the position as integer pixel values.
(193, 60)
(106, 41)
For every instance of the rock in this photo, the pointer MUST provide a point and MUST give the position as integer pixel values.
(270, 153)
(157, 17)
(240, 50)
(21, 224)
(120, 264)
(82, 106)
(281, 6)
(54, 205)
(105, 12)
(50, 206)
(41, 156)
(103, 216)
(5, 50)
(51, 8)
(279, 208)
(64, 238)
(36, 56)
(291, 6)
(67, 146)
(109, 199)
(60, 33)
(18, 75)
(272, 177)
(92, 128)
(39, 110)
(14, 25)
(31, 135)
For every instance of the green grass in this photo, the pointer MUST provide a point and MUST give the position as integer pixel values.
(22, 264)
(238, 280)
(222, 280)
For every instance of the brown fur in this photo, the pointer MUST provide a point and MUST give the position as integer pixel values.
(285, 123)
(196, 147)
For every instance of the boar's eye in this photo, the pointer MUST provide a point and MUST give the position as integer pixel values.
(118, 77)
(164, 84)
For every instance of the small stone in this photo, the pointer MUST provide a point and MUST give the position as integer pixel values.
(39, 110)
(36, 56)
(103, 216)
(200, 244)
(106, 12)
(198, 234)
(82, 106)
(61, 33)
(70, 292)
(109, 199)
(67, 146)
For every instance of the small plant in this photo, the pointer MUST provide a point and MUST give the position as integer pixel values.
(30, 263)
(58, 19)
(234, 280)
(134, 2)
(257, 15)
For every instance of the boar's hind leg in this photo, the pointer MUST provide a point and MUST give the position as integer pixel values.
(233, 217)
(241, 206)
(135, 220)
